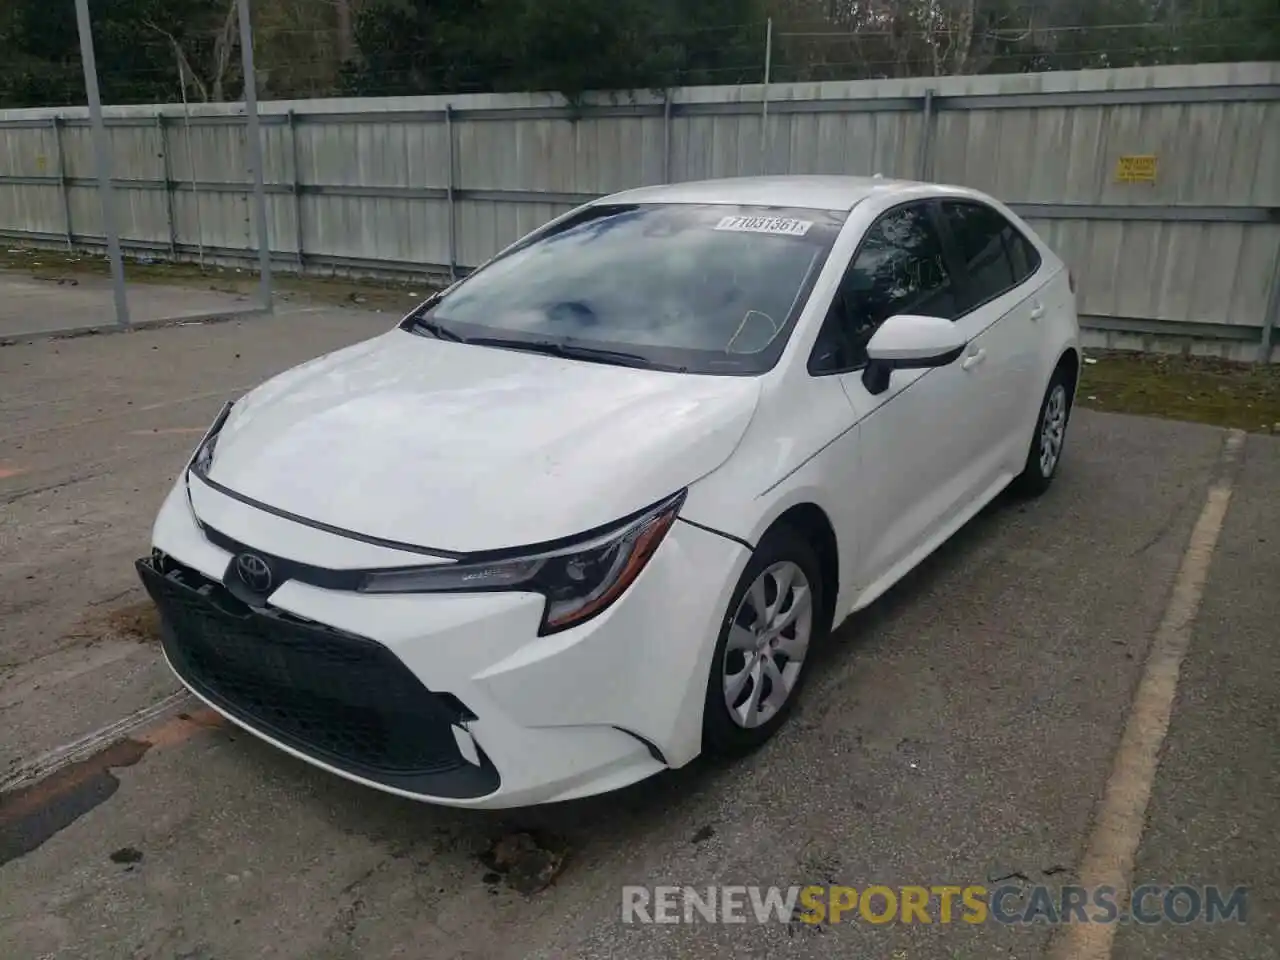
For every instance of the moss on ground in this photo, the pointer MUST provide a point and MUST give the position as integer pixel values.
(366, 294)
(1179, 388)
(1200, 389)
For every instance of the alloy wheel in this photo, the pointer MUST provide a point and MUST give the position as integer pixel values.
(1053, 429)
(768, 639)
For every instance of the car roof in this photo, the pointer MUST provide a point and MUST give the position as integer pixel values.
(812, 192)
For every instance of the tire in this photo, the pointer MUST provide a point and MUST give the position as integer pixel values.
(783, 556)
(1045, 452)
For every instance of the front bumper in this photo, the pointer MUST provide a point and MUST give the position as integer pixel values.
(452, 699)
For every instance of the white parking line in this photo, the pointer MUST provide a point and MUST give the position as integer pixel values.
(91, 743)
(1118, 822)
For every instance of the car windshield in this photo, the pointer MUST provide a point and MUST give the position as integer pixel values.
(698, 288)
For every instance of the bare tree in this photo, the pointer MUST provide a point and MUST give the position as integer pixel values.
(223, 47)
(211, 87)
(346, 31)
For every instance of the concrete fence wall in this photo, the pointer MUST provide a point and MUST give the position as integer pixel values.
(1188, 254)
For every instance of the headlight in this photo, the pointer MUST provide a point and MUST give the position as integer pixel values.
(202, 459)
(579, 580)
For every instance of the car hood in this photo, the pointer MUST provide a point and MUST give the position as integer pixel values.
(465, 448)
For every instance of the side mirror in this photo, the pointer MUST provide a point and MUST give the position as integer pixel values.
(908, 342)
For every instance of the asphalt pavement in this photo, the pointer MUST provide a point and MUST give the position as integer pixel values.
(47, 299)
(961, 732)
(1215, 813)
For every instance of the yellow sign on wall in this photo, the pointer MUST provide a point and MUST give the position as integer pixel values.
(1136, 169)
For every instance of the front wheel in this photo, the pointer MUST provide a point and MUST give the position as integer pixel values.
(775, 617)
(1045, 452)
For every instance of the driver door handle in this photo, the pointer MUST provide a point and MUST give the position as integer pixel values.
(1037, 311)
(973, 359)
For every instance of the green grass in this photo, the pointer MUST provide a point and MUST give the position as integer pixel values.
(1199, 389)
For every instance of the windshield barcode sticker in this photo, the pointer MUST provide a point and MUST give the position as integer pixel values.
(781, 225)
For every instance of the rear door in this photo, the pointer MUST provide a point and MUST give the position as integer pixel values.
(1000, 313)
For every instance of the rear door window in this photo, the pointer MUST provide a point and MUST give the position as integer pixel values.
(996, 256)
(1025, 257)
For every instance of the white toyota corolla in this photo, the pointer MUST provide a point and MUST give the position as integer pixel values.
(586, 514)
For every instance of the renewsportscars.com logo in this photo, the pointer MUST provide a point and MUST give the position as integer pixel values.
(942, 904)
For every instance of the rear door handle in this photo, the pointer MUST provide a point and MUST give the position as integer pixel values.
(1037, 311)
(973, 359)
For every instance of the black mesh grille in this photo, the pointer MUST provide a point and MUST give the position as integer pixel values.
(341, 698)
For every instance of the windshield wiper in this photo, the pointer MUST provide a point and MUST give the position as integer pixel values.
(436, 329)
(568, 351)
(419, 321)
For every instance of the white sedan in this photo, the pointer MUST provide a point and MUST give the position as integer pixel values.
(586, 514)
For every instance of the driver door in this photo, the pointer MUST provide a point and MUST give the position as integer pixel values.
(913, 440)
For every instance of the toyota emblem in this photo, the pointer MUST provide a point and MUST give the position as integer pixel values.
(254, 572)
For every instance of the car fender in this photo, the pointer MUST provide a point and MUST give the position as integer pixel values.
(785, 459)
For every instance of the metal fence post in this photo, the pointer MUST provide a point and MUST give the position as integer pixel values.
(191, 164)
(666, 135)
(102, 161)
(63, 188)
(296, 187)
(449, 194)
(255, 155)
(1272, 318)
(764, 98)
(926, 136)
(168, 186)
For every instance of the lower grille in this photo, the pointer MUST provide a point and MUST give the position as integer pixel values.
(342, 699)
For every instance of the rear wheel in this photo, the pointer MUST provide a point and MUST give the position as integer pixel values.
(1045, 452)
(775, 617)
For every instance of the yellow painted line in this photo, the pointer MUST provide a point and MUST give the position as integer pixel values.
(1119, 820)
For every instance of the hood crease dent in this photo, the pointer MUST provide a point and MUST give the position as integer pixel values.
(465, 448)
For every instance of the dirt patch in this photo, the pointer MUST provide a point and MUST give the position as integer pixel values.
(1200, 389)
(527, 861)
(137, 622)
